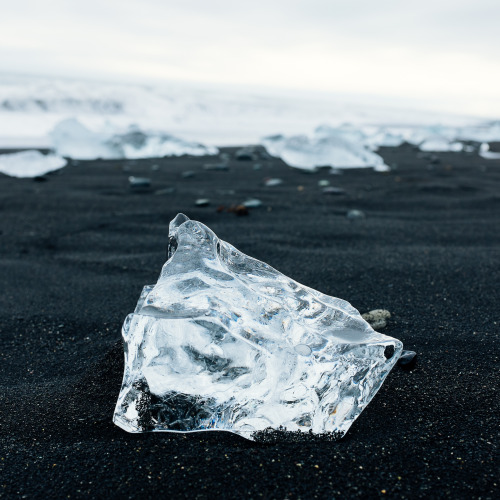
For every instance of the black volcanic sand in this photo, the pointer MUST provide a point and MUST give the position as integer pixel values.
(77, 247)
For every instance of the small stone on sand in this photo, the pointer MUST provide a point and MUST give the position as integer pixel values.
(407, 360)
(377, 318)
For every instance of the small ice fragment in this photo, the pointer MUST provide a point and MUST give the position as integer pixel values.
(272, 182)
(484, 152)
(202, 202)
(224, 341)
(355, 214)
(139, 182)
(323, 183)
(252, 203)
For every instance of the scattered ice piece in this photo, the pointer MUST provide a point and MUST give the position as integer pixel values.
(72, 139)
(272, 182)
(323, 183)
(202, 202)
(408, 360)
(485, 132)
(139, 182)
(440, 144)
(29, 163)
(187, 174)
(224, 341)
(333, 147)
(377, 318)
(252, 203)
(484, 152)
(355, 214)
(155, 167)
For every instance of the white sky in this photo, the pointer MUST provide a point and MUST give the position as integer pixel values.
(440, 53)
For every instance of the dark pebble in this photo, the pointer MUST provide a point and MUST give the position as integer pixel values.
(245, 154)
(333, 190)
(408, 360)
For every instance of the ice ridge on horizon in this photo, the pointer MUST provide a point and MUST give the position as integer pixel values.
(226, 342)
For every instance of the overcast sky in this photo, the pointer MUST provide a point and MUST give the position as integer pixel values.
(443, 53)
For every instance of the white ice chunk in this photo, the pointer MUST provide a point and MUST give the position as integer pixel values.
(225, 342)
(29, 163)
(335, 147)
(71, 138)
(385, 138)
(439, 143)
(484, 152)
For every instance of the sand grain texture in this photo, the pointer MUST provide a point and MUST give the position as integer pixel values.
(77, 249)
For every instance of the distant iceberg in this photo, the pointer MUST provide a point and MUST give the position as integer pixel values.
(337, 147)
(72, 139)
(29, 163)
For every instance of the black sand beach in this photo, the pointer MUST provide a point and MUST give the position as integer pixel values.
(77, 247)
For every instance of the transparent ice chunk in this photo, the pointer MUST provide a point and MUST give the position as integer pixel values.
(226, 342)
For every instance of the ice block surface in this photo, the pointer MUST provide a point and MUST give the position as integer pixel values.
(226, 342)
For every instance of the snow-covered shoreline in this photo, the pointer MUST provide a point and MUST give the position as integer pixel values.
(86, 120)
